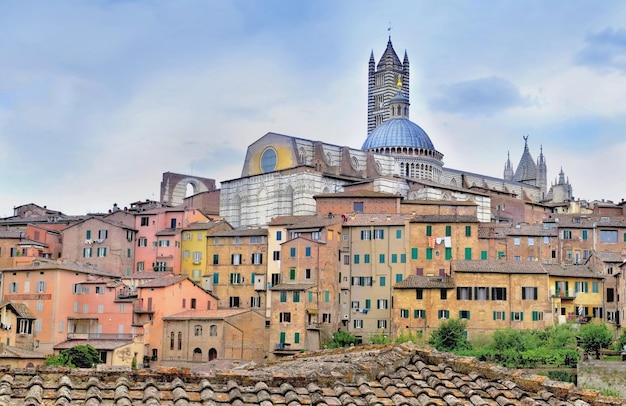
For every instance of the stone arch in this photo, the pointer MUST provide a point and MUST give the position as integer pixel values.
(355, 163)
(212, 354)
(302, 158)
(176, 187)
(197, 355)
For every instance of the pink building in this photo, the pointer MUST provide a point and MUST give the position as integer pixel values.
(161, 297)
(159, 235)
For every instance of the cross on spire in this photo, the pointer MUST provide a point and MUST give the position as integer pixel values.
(389, 30)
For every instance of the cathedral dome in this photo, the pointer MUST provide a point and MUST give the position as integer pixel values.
(398, 132)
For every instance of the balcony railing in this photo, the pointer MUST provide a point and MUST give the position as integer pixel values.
(99, 336)
(138, 308)
(126, 293)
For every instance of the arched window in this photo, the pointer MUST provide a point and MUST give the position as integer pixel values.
(180, 340)
(212, 354)
(198, 330)
(197, 355)
(355, 163)
(213, 330)
(172, 340)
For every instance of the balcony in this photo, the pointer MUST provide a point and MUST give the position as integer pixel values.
(126, 294)
(140, 309)
(564, 295)
(163, 269)
(284, 349)
(313, 326)
(99, 336)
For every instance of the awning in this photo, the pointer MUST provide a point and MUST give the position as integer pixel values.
(312, 311)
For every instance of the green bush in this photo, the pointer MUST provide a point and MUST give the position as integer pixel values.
(563, 376)
(341, 339)
(379, 339)
(594, 337)
(80, 356)
(450, 336)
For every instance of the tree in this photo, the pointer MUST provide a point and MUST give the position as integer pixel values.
(450, 336)
(80, 356)
(595, 336)
(342, 339)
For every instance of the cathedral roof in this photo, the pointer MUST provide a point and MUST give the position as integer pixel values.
(398, 132)
(526, 169)
(389, 56)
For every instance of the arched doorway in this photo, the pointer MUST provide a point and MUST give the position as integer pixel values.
(212, 354)
(197, 355)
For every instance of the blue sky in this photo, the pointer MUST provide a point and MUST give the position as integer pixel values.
(99, 98)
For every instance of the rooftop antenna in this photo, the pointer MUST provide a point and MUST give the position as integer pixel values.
(389, 30)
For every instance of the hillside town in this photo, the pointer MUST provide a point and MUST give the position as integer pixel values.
(311, 239)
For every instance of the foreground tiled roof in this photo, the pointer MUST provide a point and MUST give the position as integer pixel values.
(362, 375)
(582, 271)
(425, 282)
(498, 266)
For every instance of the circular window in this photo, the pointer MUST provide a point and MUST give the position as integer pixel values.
(268, 160)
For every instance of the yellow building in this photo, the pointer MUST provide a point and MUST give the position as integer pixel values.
(577, 293)
(234, 259)
(194, 247)
(487, 294)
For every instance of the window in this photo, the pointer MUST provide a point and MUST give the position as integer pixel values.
(172, 340)
(292, 274)
(295, 234)
(325, 317)
(414, 253)
(276, 255)
(180, 340)
(443, 294)
(362, 281)
(366, 234)
(497, 315)
(279, 235)
(283, 297)
(316, 235)
(594, 287)
(86, 308)
(419, 294)
(357, 207)
(307, 251)
(529, 293)
(448, 231)
(356, 259)
(483, 255)
(567, 234)
(610, 295)
(216, 278)
(368, 304)
(142, 242)
(498, 293)
(429, 253)
(41, 286)
(429, 231)
(357, 323)
(13, 287)
(145, 221)
(103, 234)
(517, 316)
(292, 252)
(87, 252)
(234, 301)
(464, 314)
(382, 303)
(537, 316)
(404, 313)
(307, 273)
(102, 252)
(257, 239)
(163, 243)
(296, 297)
(285, 317)
(257, 258)
(463, 293)
(382, 281)
(443, 314)
(275, 279)
(403, 258)
(381, 258)
(296, 338)
(608, 236)
(235, 278)
(366, 258)
(235, 259)
(40, 305)
(398, 277)
(379, 234)
(582, 287)
(516, 241)
(398, 234)
(355, 304)
(382, 324)
(481, 293)
(255, 301)
(419, 314)
(468, 231)
(346, 259)
(88, 235)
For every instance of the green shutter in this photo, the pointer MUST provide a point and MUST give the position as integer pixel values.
(356, 258)
(398, 277)
(468, 231)
(448, 231)
(584, 234)
(483, 255)
(403, 258)
(398, 233)
(429, 253)
(521, 316)
(296, 338)
(310, 296)
(586, 287)
(282, 337)
(494, 315)
(216, 278)
(368, 303)
(468, 253)
(366, 258)
(413, 253)
(383, 281)
(394, 258)
(448, 253)
(381, 258)
(292, 274)
(429, 231)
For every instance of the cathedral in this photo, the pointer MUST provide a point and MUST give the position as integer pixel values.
(282, 173)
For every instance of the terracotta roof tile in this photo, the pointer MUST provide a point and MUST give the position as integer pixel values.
(498, 266)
